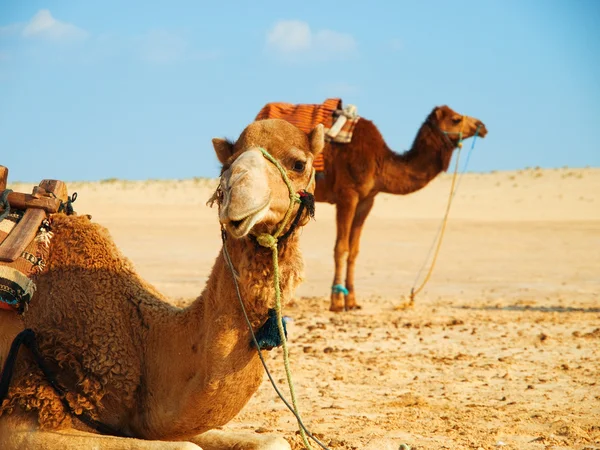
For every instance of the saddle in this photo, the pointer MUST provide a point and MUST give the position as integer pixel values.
(339, 122)
(25, 237)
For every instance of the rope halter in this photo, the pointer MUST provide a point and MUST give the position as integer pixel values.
(460, 133)
(304, 198)
(270, 241)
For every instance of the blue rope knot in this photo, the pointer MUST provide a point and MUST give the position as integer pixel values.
(267, 240)
(339, 289)
(268, 337)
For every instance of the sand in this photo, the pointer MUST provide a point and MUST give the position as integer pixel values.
(501, 350)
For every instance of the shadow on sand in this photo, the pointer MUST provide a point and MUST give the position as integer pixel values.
(560, 309)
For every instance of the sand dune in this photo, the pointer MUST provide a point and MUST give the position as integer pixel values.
(500, 351)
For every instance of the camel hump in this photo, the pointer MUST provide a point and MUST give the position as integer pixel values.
(304, 116)
(339, 122)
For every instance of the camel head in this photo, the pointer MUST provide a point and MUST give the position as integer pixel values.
(453, 124)
(252, 194)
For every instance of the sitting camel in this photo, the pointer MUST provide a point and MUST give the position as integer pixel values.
(357, 171)
(156, 375)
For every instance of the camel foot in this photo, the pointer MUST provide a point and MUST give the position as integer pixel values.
(337, 302)
(336, 308)
(219, 440)
(353, 307)
(350, 302)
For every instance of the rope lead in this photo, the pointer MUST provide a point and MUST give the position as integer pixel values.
(271, 241)
(440, 236)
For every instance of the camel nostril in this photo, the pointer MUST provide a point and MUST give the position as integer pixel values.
(236, 223)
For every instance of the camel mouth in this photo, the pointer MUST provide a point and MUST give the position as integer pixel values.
(240, 227)
(482, 131)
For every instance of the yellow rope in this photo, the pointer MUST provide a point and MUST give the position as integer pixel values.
(414, 291)
(270, 241)
(294, 198)
(286, 356)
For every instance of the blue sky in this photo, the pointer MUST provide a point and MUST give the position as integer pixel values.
(136, 90)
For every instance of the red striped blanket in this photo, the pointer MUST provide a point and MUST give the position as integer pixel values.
(308, 116)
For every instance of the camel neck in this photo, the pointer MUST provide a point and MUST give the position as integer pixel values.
(253, 266)
(408, 172)
(212, 345)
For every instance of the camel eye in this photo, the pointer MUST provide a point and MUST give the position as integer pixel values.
(299, 166)
(456, 119)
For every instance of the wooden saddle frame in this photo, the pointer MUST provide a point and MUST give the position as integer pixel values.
(46, 198)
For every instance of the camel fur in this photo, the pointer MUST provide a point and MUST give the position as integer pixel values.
(356, 172)
(163, 375)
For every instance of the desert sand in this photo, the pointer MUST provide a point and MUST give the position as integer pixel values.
(501, 350)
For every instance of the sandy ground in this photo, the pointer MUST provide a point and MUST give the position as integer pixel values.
(502, 349)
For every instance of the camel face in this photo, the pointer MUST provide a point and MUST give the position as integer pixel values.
(246, 193)
(254, 193)
(454, 123)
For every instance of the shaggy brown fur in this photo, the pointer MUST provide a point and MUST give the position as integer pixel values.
(88, 314)
(129, 358)
(356, 172)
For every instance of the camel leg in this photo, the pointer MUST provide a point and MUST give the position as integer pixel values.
(345, 210)
(362, 211)
(225, 440)
(27, 438)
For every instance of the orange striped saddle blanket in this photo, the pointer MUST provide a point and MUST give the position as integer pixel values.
(339, 122)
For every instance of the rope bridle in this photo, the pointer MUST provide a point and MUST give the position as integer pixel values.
(447, 134)
(440, 234)
(271, 241)
(306, 200)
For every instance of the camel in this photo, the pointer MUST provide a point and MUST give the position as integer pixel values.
(356, 172)
(160, 376)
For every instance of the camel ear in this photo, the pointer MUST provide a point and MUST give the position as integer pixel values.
(317, 139)
(440, 112)
(223, 149)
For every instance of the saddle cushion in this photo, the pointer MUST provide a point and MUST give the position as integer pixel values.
(16, 283)
(308, 116)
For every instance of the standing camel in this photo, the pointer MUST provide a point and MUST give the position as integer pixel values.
(159, 376)
(356, 172)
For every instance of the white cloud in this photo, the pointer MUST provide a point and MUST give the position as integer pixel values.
(294, 41)
(43, 25)
(289, 36)
(157, 46)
